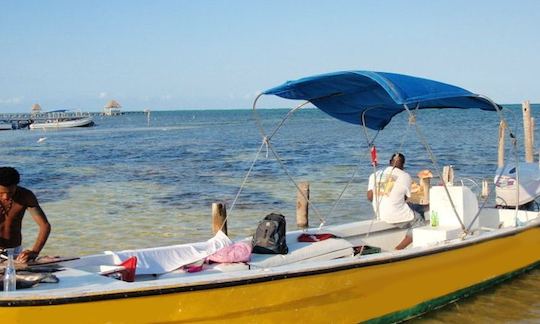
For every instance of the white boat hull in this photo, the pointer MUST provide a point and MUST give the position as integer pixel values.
(81, 122)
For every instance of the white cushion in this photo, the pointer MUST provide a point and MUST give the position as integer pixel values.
(303, 252)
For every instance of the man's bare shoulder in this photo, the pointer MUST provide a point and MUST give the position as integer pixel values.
(25, 197)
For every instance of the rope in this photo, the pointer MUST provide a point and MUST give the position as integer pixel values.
(412, 121)
(269, 147)
(263, 144)
(331, 213)
(315, 209)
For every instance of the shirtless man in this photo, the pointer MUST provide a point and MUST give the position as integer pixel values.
(14, 201)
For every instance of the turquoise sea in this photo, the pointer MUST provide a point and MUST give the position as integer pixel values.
(133, 181)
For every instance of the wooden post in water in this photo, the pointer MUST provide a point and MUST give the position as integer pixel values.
(302, 205)
(219, 216)
(485, 189)
(448, 175)
(527, 131)
(147, 112)
(425, 183)
(502, 130)
(532, 135)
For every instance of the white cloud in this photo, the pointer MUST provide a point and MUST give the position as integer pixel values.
(11, 101)
(103, 94)
(166, 97)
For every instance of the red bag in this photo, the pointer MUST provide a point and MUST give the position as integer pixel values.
(315, 237)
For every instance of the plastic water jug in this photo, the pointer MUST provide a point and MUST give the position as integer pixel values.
(10, 277)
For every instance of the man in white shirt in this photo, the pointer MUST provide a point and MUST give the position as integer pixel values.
(389, 199)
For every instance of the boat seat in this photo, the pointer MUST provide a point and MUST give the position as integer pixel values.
(300, 252)
(361, 228)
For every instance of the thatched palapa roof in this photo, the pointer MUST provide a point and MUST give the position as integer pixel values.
(112, 104)
(36, 108)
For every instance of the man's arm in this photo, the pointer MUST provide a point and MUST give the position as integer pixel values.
(371, 185)
(44, 230)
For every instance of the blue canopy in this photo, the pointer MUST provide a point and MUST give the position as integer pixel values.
(378, 95)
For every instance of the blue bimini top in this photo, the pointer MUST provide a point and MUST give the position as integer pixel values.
(378, 96)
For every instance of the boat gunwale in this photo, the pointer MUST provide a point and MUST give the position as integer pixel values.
(354, 263)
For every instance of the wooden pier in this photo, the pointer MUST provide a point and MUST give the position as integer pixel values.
(23, 120)
(17, 121)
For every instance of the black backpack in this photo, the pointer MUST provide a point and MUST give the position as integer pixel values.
(270, 235)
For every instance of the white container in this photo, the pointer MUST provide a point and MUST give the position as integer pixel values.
(464, 200)
(428, 236)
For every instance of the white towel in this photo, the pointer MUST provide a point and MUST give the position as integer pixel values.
(167, 258)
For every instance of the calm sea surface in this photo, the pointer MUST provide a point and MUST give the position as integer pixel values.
(131, 182)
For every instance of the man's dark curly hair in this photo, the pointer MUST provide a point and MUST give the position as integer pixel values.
(9, 176)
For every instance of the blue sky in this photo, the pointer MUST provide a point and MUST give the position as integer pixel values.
(220, 54)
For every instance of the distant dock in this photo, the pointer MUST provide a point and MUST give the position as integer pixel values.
(17, 121)
(23, 120)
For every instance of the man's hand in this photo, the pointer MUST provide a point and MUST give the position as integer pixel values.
(369, 195)
(27, 256)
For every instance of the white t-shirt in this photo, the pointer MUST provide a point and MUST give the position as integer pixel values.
(393, 184)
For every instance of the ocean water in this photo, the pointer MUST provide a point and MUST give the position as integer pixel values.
(133, 181)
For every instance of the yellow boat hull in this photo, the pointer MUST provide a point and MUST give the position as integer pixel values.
(381, 291)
